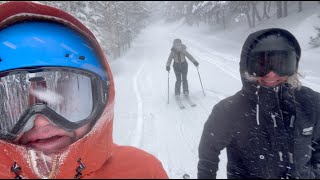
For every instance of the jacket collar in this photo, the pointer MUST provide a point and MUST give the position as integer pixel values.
(253, 90)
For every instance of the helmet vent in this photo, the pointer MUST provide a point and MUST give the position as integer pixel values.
(82, 57)
(0, 60)
(67, 55)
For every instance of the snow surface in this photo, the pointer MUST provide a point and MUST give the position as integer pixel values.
(144, 119)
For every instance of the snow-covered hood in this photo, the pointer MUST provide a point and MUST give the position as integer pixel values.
(252, 39)
(94, 148)
(179, 47)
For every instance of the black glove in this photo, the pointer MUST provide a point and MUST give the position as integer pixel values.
(168, 68)
(196, 63)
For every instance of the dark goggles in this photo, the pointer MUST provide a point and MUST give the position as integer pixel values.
(284, 63)
(69, 98)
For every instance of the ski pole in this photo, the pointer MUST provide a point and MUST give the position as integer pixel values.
(201, 82)
(168, 87)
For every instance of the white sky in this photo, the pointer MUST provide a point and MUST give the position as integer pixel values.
(142, 116)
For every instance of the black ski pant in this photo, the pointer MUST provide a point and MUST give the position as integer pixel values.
(181, 71)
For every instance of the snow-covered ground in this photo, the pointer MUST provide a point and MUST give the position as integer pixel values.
(143, 117)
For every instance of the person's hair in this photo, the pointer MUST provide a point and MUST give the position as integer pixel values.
(294, 81)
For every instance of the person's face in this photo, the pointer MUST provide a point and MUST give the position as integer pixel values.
(48, 138)
(272, 79)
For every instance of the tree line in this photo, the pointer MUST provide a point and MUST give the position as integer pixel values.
(225, 13)
(114, 23)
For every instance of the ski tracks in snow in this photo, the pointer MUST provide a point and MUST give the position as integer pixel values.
(172, 135)
(139, 126)
(228, 65)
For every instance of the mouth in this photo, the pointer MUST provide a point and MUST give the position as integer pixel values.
(270, 81)
(51, 144)
(45, 140)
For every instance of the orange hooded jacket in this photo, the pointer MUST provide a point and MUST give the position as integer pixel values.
(100, 156)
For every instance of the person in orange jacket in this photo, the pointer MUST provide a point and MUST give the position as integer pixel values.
(57, 101)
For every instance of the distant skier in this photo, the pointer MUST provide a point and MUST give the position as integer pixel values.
(178, 54)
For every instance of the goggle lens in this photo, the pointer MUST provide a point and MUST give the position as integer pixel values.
(70, 95)
(282, 62)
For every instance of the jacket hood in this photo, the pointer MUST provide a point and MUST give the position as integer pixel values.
(178, 47)
(94, 148)
(253, 42)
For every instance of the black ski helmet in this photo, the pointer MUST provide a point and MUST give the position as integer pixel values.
(273, 39)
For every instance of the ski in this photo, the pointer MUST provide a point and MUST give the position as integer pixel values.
(192, 104)
(181, 106)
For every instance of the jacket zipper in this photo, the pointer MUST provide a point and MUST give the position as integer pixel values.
(289, 155)
(53, 167)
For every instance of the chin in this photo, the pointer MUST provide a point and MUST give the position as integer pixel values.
(271, 85)
(268, 84)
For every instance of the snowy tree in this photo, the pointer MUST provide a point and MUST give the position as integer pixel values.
(315, 41)
(210, 12)
(228, 12)
(114, 23)
(173, 10)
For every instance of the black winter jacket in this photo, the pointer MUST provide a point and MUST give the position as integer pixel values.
(266, 136)
(267, 132)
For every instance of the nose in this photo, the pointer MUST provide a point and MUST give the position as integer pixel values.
(40, 121)
(271, 74)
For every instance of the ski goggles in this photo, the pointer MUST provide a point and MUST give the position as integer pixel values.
(284, 63)
(69, 98)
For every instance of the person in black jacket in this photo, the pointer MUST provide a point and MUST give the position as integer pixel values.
(178, 54)
(270, 128)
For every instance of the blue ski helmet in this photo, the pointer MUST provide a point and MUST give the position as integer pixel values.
(45, 44)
